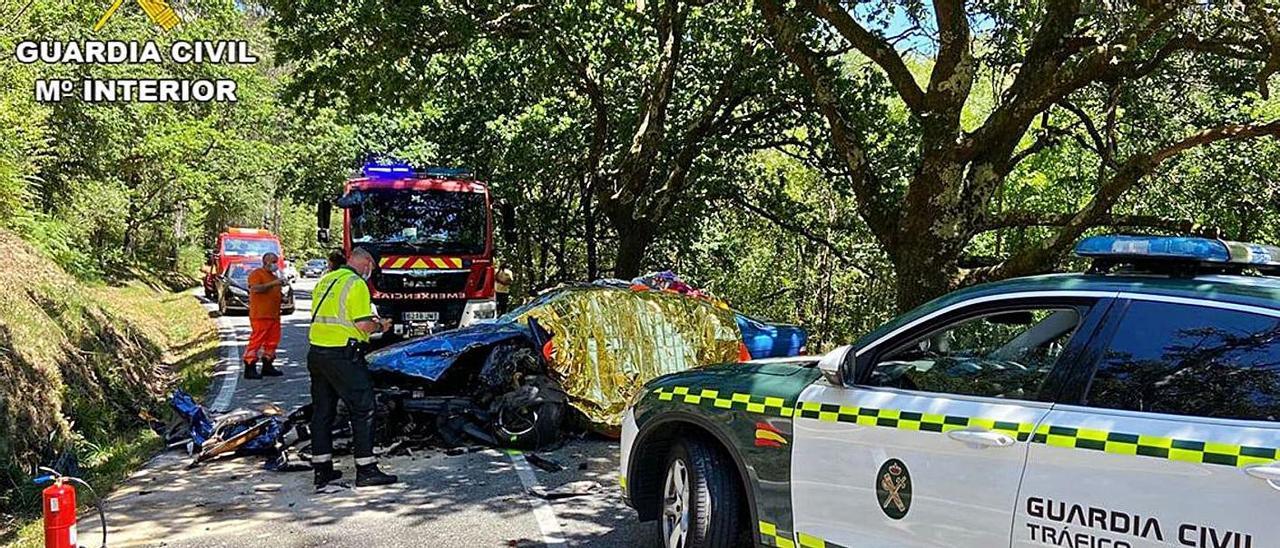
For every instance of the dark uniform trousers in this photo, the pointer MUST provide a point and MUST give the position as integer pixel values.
(339, 373)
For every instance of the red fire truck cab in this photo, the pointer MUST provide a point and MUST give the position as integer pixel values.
(431, 234)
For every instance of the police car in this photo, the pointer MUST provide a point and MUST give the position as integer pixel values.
(1132, 406)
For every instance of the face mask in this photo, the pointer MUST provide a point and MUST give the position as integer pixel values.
(271, 267)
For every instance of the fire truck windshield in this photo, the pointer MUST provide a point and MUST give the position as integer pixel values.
(246, 247)
(421, 221)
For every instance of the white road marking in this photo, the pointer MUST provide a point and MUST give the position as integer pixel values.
(542, 512)
(231, 365)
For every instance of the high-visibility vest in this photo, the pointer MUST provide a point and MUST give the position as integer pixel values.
(341, 298)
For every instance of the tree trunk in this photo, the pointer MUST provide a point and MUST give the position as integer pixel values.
(589, 228)
(633, 242)
(926, 251)
(922, 275)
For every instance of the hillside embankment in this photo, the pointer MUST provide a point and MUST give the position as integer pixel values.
(82, 363)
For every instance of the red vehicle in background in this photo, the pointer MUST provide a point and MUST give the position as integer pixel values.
(431, 235)
(239, 245)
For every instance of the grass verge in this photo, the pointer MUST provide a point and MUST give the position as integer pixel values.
(84, 362)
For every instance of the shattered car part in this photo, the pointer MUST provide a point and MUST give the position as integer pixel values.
(241, 432)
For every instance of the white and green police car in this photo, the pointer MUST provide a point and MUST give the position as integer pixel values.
(1132, 406)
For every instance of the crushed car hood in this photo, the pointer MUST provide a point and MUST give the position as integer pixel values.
(429, 357)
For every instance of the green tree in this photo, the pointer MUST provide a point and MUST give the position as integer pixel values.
(1135, 85)
(629, 106)
(106, 186)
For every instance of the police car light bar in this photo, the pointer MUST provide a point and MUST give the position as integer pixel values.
(1259, 255)
(1154, 247)
(1179, 249)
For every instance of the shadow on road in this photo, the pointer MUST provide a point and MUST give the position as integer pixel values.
(471, 499)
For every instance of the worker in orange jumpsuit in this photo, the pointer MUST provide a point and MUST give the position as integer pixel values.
(265, 293)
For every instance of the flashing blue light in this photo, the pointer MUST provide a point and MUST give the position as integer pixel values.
(1155, 247)
(388, 170)
(1254, 254)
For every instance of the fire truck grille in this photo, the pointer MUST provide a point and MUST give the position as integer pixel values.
(427, 282)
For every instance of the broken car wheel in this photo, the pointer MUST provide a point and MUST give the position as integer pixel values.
(530, 416)
(529, 427)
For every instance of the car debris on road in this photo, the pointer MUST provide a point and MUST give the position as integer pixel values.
(578, 352)
(266, 432)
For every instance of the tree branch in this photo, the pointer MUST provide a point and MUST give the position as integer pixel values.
(722, 103)
(876, 48)
(1099, 143)
(637, 165)
(786, 34)
(797, 229)
(1041, 256)
(952, 76)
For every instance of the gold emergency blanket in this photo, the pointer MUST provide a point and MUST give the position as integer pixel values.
(608, 342)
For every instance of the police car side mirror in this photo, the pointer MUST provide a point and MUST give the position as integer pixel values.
(832, 363)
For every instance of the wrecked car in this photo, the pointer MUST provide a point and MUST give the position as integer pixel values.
(581, 351)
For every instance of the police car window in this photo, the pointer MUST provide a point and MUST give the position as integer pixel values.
(1191, 360)
(1001, 355)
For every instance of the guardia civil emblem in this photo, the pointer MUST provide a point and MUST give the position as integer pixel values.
(893, 489)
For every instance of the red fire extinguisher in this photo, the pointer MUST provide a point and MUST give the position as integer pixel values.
(60, 510)
(60, 515)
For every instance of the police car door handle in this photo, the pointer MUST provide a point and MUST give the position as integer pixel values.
(1269, 472)
(981, 437)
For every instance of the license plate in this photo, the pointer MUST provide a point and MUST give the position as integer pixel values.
(421, 316)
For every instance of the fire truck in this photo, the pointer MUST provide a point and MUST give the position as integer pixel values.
(431, 234)
(239, 245)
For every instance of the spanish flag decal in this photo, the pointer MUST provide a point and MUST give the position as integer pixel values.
(768, 436)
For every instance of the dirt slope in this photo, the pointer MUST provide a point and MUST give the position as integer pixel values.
(79, 363)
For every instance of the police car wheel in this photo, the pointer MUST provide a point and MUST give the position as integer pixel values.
(700, 504)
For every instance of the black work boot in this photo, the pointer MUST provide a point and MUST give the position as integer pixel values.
(369, 475)
(251, 370)
(269, 368)
(325, 473)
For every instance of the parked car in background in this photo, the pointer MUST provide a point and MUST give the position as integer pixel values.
(232, 290)
(315, 268)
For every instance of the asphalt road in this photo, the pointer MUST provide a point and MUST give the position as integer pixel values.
(472, 499)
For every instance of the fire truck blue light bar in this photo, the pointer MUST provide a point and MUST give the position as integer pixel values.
(387, 170)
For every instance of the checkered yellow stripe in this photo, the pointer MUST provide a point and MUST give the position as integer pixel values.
(764, 405)
(769, 536)
(806, 540)
(908, 420)
(1198, 452)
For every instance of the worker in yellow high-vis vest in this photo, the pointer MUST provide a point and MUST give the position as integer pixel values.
(342, 319)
